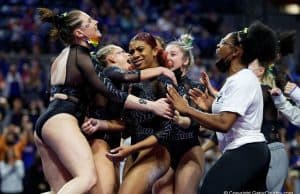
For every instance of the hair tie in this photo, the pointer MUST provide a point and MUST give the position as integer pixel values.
(63, 15)
(242, 35)
(59, 19)
(271, 69)
(187, 40)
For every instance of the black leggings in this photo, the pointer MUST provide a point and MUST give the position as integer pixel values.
(241, 169)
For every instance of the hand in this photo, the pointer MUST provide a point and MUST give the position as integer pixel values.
(170, 74)
(92, 125)
(289, 88)
(118, 154)
(203, 100)
(206, 81)
(177, 117)
(275, 92)
(179, 103)
(161, 107)
(182, 121)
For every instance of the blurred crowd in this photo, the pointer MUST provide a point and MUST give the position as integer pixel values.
(23, 84)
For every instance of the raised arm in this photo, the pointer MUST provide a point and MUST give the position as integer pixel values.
(293, 91)
(117, 74)
(105, 86)
(157, 71)
(99, 83)
(161, 136)
(221, 122)
(292, 113)
(202, 99)
(206, 81)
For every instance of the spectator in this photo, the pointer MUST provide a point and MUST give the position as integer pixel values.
(11, 138)
(12, 173)
(14, 83)
(4, 109)
(15, 114)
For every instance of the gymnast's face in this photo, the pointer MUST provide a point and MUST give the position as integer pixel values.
(176, 56)
(119, 57)
(143, 55)
(89, 28)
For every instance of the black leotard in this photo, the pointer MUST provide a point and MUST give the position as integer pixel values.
(105, 109)
(176, 139)
(179, 140)
(80, 75)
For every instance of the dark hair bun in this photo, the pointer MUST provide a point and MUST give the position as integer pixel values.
(260, 43)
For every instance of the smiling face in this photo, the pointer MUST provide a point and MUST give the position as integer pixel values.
(143, 55)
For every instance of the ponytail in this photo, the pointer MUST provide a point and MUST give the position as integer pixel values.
(63, 24)
(258, 42)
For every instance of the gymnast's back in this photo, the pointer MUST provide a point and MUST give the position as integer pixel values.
(72, 75)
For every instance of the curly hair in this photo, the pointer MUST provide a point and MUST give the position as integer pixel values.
(258, 42)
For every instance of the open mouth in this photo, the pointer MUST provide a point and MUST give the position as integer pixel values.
(129, 61)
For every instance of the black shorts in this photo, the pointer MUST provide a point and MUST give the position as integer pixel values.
(60, 106)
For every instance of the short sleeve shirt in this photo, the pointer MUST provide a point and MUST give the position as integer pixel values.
(241, 94)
